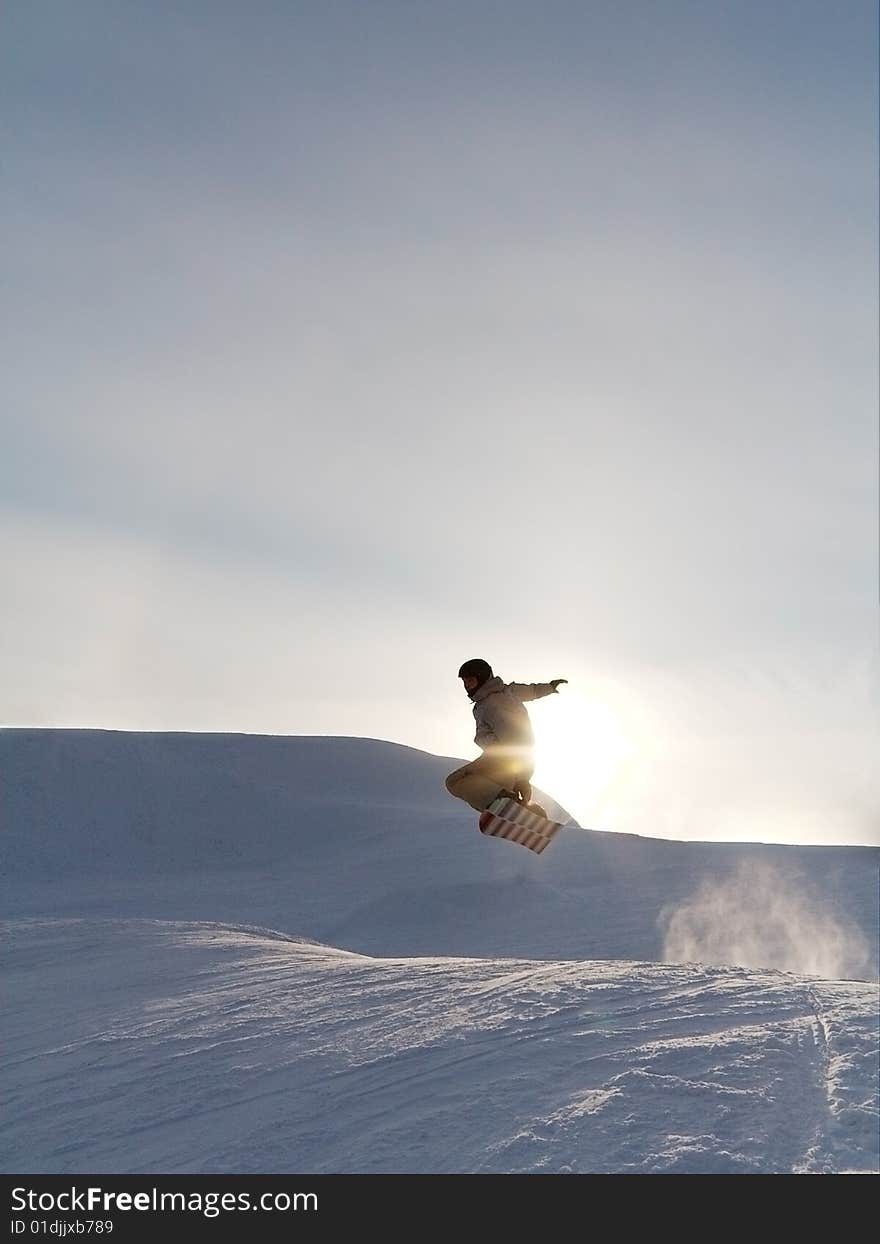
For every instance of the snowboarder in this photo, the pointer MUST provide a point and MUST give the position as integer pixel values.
(504, 732)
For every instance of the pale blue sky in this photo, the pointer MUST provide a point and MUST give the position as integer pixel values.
(345, 341)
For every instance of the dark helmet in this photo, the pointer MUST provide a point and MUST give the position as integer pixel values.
(476, 669)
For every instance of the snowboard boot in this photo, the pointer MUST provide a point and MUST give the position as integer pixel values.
(487, 815)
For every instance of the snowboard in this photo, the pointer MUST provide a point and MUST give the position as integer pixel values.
(507, 818)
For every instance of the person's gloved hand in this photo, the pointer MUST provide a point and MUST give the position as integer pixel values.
(554, 683)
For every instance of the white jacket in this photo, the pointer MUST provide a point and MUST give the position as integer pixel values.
(501, 716)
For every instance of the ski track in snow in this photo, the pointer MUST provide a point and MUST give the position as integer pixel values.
(168, 1046)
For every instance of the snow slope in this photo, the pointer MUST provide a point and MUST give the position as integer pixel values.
(207, 1048)
(356, 843)
(243, 954)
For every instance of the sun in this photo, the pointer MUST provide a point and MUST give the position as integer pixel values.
(583, 750)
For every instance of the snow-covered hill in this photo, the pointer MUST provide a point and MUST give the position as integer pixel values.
(206, 1048)
(356, 843)
(244, 954)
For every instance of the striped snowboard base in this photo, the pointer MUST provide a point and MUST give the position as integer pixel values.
(505, 818)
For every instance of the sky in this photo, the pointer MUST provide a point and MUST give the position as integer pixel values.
(359, 990)
(347, 341)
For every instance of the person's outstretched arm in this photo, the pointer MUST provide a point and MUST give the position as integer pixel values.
(535, 690)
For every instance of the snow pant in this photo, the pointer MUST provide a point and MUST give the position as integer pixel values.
(481, 781)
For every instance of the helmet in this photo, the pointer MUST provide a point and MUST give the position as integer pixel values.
(476, 669)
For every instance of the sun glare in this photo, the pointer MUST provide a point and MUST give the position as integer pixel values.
(582, 754)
